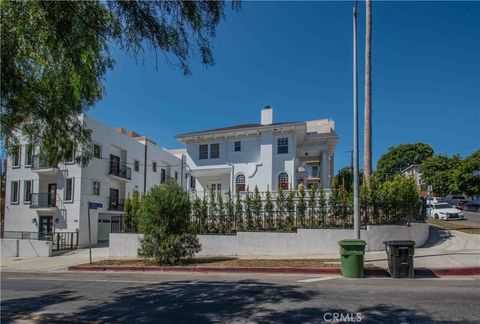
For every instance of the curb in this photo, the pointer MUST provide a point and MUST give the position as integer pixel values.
(379, 272)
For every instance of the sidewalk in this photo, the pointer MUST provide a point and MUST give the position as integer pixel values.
(444, 249)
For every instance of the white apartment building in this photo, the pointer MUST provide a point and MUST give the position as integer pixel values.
(45, 199)
(266, 154)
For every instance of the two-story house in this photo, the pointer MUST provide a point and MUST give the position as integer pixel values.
(266, 154)
(42, 199)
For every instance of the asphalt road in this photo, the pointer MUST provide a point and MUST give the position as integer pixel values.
(471, 219)
(203, 298)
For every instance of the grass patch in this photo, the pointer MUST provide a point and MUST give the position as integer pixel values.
(456, 227)
(234, 262)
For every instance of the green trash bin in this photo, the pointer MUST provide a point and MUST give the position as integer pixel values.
(351, 256)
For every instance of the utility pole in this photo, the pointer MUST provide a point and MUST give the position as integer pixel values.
(356, 209)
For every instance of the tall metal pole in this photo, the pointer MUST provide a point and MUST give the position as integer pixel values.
(89, 235)
(356, 208)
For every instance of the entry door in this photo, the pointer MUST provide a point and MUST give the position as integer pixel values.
(52, 195)
(113, 199)
(45, 226)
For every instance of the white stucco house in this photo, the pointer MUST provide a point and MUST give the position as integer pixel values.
(267, 154)
(414, 172)
(43, 199)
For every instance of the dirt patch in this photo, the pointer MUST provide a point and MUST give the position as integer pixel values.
(456, 227)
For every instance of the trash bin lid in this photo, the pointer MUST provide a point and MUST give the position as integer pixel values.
(399, 243)
(352, 242)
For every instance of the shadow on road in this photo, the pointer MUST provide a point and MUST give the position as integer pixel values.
(204, 302)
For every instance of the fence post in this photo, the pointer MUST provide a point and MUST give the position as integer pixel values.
(71, 241)
(58, 241)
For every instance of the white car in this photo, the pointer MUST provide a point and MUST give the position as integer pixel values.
(443, 210)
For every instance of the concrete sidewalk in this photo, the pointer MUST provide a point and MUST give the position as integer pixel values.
(444, 249)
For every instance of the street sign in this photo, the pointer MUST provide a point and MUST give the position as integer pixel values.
(92, 205)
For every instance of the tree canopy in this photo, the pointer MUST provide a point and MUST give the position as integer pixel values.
(437, 171)
(466, 178)
(55, 56)
(400, 157)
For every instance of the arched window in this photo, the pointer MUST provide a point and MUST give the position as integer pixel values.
(240, 183)
(283, 181)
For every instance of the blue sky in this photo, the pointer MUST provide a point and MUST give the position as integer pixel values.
(297, 58)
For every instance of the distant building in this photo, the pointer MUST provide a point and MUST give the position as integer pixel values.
(415, 173)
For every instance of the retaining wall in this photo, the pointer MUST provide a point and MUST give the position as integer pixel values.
(12, 248)
(302, 242)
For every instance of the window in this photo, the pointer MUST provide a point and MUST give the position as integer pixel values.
(17, 151)
(216, 187)
(97, 151)
(163, 176)
(14, 193)
(314, 171)
(283, 181)
(154, 167)
(70, 154)
(282, 145)
(240, 183)
(28, 155)
(69, 189)
(237, 146)
(96, 188)
(176, 175)
(192, 182)
(136, 164)
(27, 191)
(203, 151)
(214, 151)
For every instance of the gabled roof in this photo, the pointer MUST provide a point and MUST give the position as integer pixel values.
(235, 127)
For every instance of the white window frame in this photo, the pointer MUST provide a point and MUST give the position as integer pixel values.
(205, 152)
(28, 165)
(239, 146)
(135, 164)
(99, 188)
(25, 200)
(279, 145)
(65, 199)
(154, 166)
(18, 154)
(101, 150)
(17, 191)
(216, 151)
(216, 186)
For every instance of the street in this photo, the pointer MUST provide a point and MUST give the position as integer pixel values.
(194, 298)
(471, 219)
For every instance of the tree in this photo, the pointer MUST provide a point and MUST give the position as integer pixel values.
(268, 210)
(164, 219)
(367, 154)
(130, 212)
(466, 178)
(301, 206)
(55, 56)
(400, 157)
(437, 171)
(344, 178)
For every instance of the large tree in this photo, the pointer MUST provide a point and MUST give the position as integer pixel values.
(400, 157)
(466, 178)
(367, 141)
(55, 55)
(437, 171)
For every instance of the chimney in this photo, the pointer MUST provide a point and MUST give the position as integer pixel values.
(267, 116)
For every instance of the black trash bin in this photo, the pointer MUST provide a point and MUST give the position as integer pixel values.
(400, 258)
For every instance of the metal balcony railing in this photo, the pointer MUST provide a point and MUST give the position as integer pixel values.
(120, 170)
(43, 200)
(39, 162)
(116, 204)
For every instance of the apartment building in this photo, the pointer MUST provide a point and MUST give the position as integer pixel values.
(45, 199)
(266, 154)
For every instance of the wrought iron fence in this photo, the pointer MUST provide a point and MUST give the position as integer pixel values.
(120, 170)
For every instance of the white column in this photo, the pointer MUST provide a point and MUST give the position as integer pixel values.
(324, 167)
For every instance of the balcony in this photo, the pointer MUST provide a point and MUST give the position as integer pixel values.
(120, 170)
(44, 201)
(116, 204)
(42, 165)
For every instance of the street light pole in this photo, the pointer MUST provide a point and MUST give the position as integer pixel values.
(356, 209)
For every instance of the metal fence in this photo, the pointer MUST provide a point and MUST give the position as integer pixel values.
(60, 240)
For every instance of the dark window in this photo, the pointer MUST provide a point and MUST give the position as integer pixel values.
(70, 154)
(214, 151)
(29, 155)
(96, 188)
(97, 151)
(283, 181)
(203, 151)
(192, 182)
(282, 145)
(14, 191)
(237, 146)
(240, 183)
(154, 166)
(163, 176)
(137, 165)
(176, 175)
(27, 195)
(17, 151)
(69, 189)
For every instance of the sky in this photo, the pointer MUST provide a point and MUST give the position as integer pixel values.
(297, 58)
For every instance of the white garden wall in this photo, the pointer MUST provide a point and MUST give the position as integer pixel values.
(12, 248)
(303, 242)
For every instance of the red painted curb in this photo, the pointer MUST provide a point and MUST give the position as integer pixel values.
(431, 272)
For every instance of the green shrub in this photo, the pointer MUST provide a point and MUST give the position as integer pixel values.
(301, 207)
(164, 220)
(130, 212)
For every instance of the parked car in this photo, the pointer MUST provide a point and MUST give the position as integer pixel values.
(444, 211)
(456, 200)
(433, 200)
(473, 205)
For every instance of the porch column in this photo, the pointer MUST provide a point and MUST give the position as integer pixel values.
(324, 167)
